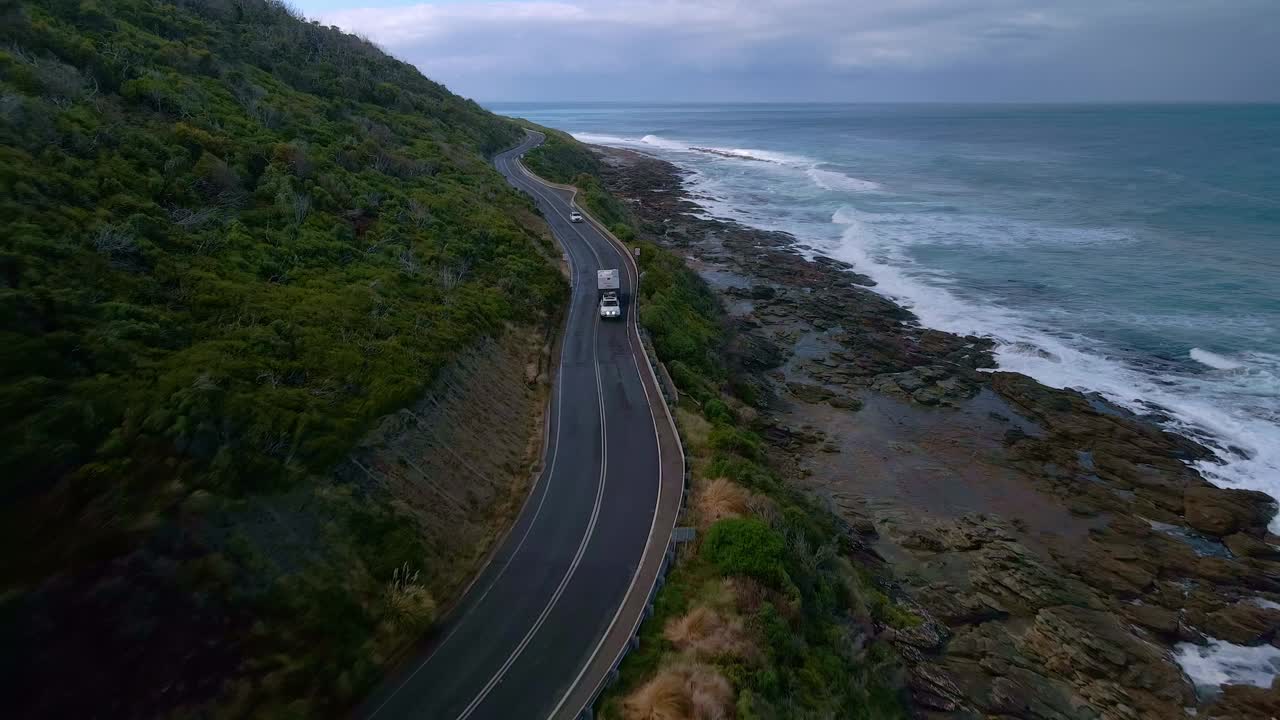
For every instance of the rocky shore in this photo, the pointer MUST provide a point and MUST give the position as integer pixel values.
(1060, 551)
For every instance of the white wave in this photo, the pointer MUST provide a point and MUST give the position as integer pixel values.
(729, 153)
(598, 139)
(1245, 440)
(830, 180)
(778, 158)
(1214, 360)
(1266, 604)
(665, 144)
(1223, 663)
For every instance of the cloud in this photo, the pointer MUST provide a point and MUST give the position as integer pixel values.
(817, 49)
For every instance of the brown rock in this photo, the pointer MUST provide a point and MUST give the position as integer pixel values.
(1246, 702)
(1122, 675)
(1243, 623)
(1243, 545)
(1157, 619)
(1014, 580)
(1223, 511)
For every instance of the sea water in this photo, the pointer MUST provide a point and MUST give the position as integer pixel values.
(1132, 251)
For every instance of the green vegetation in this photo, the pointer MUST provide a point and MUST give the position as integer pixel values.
(746, 546)
(233, 240)
(767, 602)
(562, 159)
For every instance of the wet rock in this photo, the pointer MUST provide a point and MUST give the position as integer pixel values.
(930, 395)
(844, 402)
(809, 393)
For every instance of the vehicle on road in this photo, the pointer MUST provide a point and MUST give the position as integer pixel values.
(575, 216)
(610, 289)
(609, 307)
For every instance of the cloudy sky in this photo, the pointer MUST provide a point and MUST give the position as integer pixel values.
(830, 50)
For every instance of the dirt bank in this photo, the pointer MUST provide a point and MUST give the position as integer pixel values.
(1059, 547)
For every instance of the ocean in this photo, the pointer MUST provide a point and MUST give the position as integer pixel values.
(1132, 251)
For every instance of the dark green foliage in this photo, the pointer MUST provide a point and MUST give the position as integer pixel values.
(746, 546)
(249, 241)
(717, 411)
(560, 158)
(681, 313)
(740, 442)
(232, 241)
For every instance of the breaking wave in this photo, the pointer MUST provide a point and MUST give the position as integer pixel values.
(821, 177)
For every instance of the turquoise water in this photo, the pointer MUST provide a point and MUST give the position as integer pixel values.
(1129, 250)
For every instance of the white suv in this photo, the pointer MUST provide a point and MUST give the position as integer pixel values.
(609, 307)
(575, 216)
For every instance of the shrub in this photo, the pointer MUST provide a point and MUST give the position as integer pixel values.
(717, 411)
(741, 442)
(747, 546)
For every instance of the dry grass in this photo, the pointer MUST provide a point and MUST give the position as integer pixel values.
(685, 692)
(749, 595)
(695, 429)
(706, 633)
(722, 498)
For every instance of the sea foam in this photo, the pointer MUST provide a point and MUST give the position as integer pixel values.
(1213, 360)
(831, 180)
(821, 177)
(1246, 449)
(1223, 663)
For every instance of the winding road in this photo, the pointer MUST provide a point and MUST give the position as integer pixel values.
(544, 622)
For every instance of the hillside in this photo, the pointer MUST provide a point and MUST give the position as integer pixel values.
(235, 244)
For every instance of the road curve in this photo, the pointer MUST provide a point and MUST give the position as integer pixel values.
(546, 618)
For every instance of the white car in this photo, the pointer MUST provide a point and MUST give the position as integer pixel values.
(575, 216)
(609, 307)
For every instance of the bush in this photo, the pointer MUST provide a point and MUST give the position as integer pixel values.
(747, 546)
(718, 412)
(740, 442)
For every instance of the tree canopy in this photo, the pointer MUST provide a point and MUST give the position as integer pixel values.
(232, 240)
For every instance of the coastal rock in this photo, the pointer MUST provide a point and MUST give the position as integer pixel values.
(1223, 511)
(955, 606)
(755, 352)
(1122, 675)
(997, 677)
(1011, 578)
(809, 393)
(1156, 619)
(1244, 623)
(1068, 616)
(1246, 702)
(1242, 545)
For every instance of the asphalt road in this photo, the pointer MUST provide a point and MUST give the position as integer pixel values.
(526, 630)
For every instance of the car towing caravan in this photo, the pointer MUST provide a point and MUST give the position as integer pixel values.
(610, 292)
